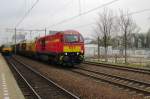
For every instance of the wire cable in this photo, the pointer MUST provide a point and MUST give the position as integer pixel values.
(84, 13)
(20, 21)
(60, 9)
(132, 13)
(140, 11)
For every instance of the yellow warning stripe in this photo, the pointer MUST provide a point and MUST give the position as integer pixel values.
(72, 48)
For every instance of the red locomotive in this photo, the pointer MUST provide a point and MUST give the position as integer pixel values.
(64, 47)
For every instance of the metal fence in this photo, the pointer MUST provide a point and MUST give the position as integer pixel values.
(139, 57)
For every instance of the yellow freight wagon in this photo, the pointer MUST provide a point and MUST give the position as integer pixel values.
(30, 48)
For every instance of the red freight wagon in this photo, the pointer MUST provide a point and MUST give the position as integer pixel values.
(62, 47)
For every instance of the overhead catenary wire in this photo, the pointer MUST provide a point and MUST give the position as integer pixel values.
(84, 13)
(140, 11)
(60, 9)
(21, 20)
(9, 29)
(132, 13)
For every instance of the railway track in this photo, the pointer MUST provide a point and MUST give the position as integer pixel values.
(139, 87)
(132, 69)
(25, 87)
(40, 86)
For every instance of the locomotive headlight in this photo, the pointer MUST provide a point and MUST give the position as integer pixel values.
(65, 53)
(82, 51)
(77, 53)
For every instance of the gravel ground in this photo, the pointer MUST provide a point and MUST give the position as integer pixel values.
(82, 86)
(128, 74)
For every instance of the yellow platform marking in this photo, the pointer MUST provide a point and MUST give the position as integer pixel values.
(4, 86)
(8, 86)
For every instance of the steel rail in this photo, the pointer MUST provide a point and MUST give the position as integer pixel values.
(132, 69)
(22, 77)
(47, 79)
(118, 77)
(115, 80)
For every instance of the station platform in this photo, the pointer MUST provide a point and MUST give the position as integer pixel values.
(8, 85)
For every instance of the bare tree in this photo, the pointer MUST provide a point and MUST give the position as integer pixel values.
(96, 37)
(127, 26)
(105, 27)
(148, 39)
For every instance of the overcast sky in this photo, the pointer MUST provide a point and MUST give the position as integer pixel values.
(49, 12)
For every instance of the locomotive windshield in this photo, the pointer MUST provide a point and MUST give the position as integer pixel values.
(71, 38)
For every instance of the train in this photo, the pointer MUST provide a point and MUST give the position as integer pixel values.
(6, 49)
(63, 47)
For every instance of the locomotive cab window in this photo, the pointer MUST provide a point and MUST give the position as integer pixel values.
(71, 38)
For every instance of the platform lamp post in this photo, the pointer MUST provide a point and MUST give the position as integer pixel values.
(30, 34)
(79, 7)
(98, 50)
(45, 31)
(15, 39)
